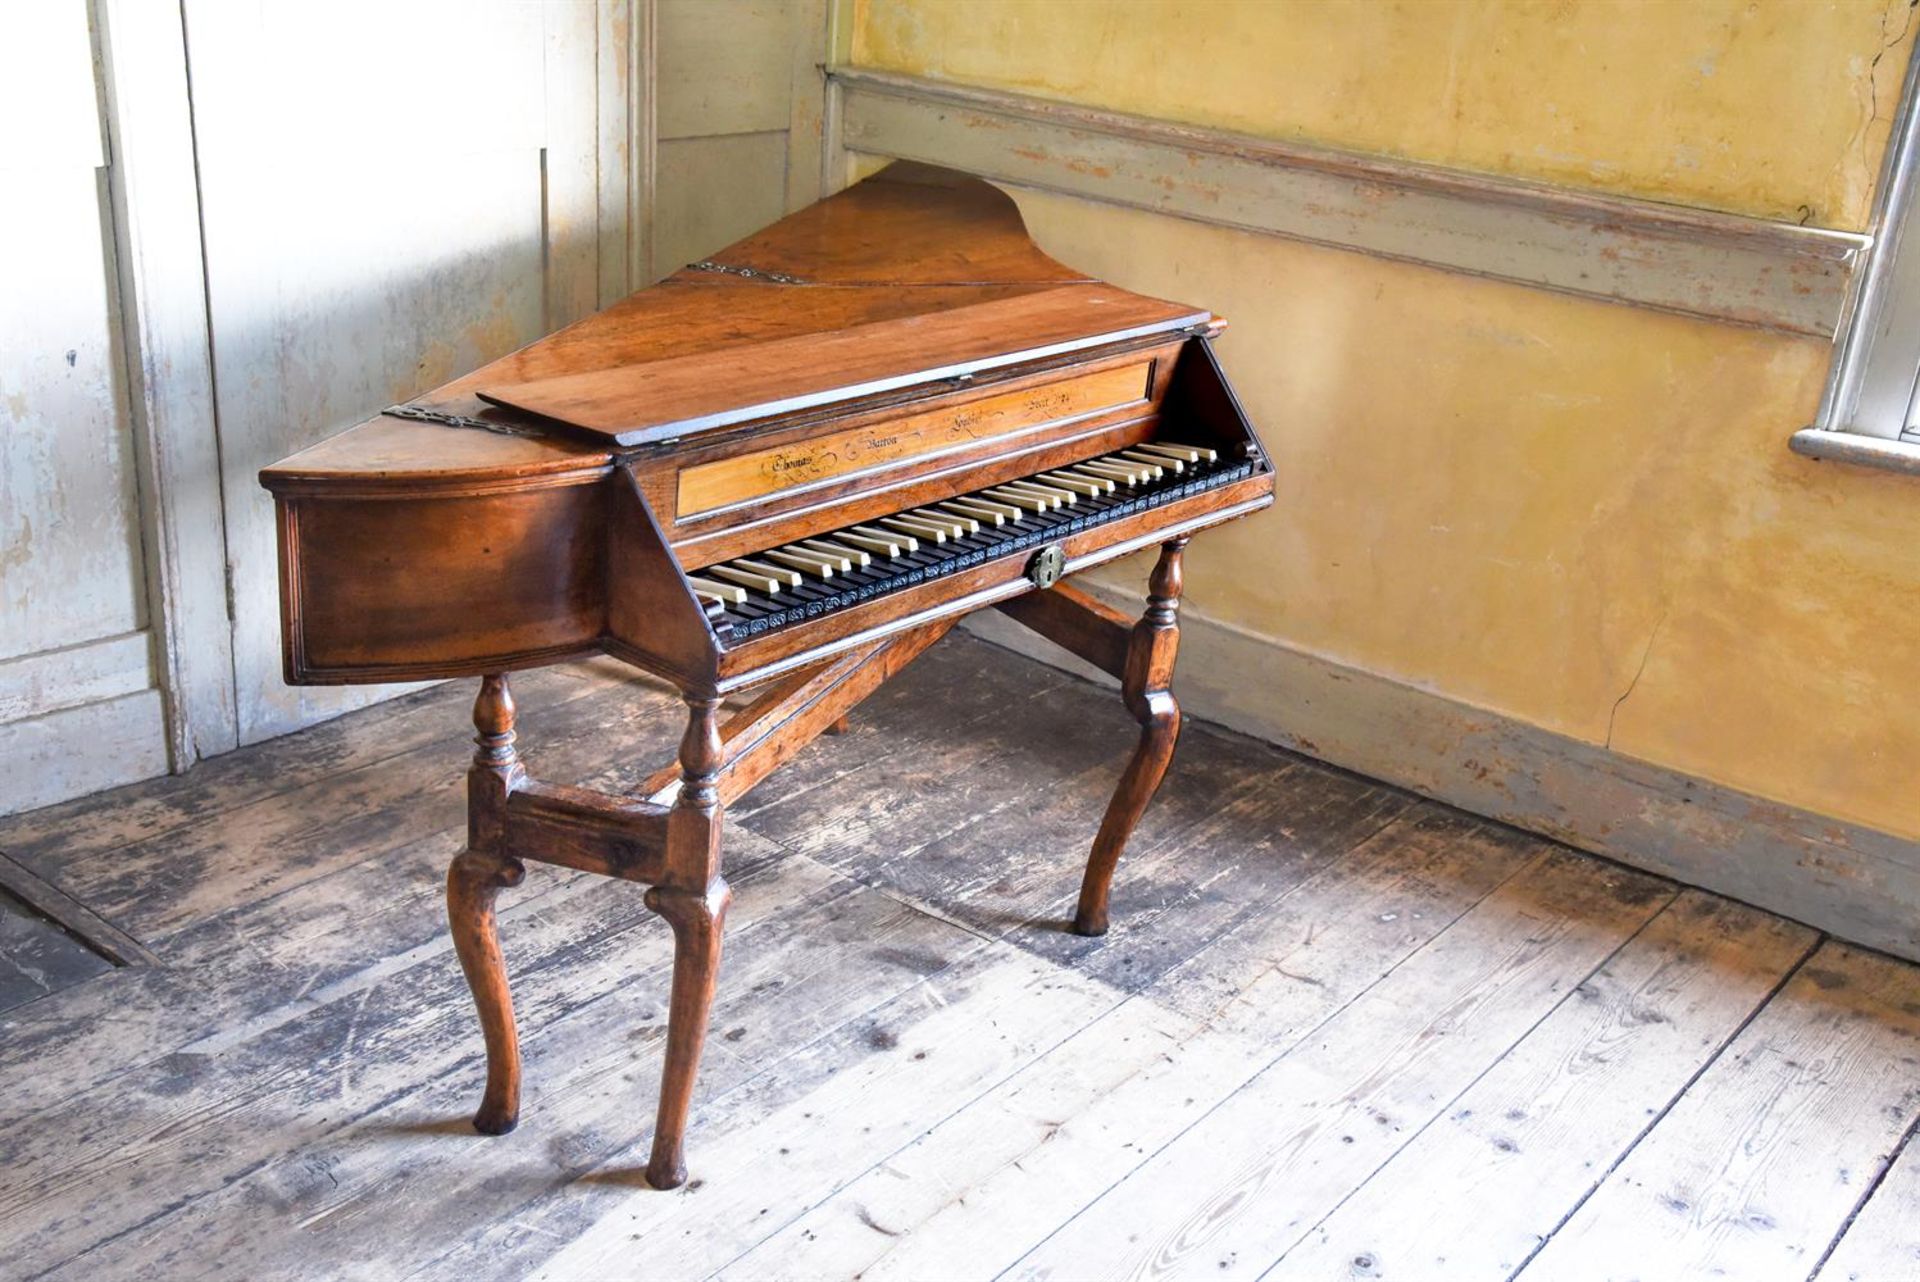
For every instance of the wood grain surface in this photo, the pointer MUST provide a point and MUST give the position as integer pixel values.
(913, 346)
(1335, 1030)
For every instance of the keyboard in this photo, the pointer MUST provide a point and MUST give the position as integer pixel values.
(781, 586)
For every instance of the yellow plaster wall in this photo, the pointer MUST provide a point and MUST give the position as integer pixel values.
(1579, 514)
(1777, 108)
(1523, 501)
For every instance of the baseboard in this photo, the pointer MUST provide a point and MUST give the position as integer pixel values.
(1856, 883)
(71, 752)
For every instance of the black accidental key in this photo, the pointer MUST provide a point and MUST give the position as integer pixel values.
(869, 588)
(939, 552)
(1052, 520)
(913, 561)
(811, 590)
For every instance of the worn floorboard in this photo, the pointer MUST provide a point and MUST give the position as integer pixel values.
(37, 957)
(1337, 1031)
(1052, 1136)
(1538, 1130)
(1756, 1170)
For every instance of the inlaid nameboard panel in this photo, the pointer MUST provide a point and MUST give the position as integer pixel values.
(727, 481)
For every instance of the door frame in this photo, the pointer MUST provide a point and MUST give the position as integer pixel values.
(141, 55)
(143, 77)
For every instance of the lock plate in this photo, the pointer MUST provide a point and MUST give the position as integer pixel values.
(1046, 566)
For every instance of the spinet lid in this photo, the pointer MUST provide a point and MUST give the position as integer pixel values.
(634, 404)
(912, 276)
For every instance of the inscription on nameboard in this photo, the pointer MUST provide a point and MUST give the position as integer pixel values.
(734, 480)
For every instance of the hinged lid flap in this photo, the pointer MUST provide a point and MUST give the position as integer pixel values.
(701, 391)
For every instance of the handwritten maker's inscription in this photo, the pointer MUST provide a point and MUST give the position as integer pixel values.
(748, 476)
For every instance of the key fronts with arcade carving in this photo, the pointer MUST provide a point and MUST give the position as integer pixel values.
(1046, 566)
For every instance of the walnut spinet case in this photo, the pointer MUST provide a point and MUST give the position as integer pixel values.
(898, 345)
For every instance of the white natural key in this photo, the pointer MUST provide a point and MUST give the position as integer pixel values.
(791, 578)
(724, 593)
(1052, 498)
(1112, 480)
(849, 557)
(745, 578)
(879, 542)
(1153, 461)
(1078, 484)
(1007, 510)
(1061, 497)
(901, 537)
(801, 559)
(908, 525)
(1125, 472)
(1119, 458)
(953, 525)
(980, 512)
(1030, 502)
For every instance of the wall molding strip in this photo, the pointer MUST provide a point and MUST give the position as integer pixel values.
(1673, 258)
(36, 684)
(56, 757)
(1854, 882)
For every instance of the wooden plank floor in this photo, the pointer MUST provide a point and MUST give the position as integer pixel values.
(37, 957)
(1336, 1032)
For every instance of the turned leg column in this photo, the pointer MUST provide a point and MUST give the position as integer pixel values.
(474, 881)
(693, 898)
(1144, 686)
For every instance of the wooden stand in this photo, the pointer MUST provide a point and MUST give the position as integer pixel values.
(669, 837)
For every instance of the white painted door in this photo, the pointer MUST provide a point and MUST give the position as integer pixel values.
(80, 703)
(392, 192)
(230, 228)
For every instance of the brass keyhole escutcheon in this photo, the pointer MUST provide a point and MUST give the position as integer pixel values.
(1047, 565)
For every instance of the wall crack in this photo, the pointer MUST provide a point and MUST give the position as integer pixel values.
(1614, 714)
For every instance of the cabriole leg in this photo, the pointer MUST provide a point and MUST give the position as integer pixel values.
(694, 901)
(698, 919)
(474, 881)
(1144, 686)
